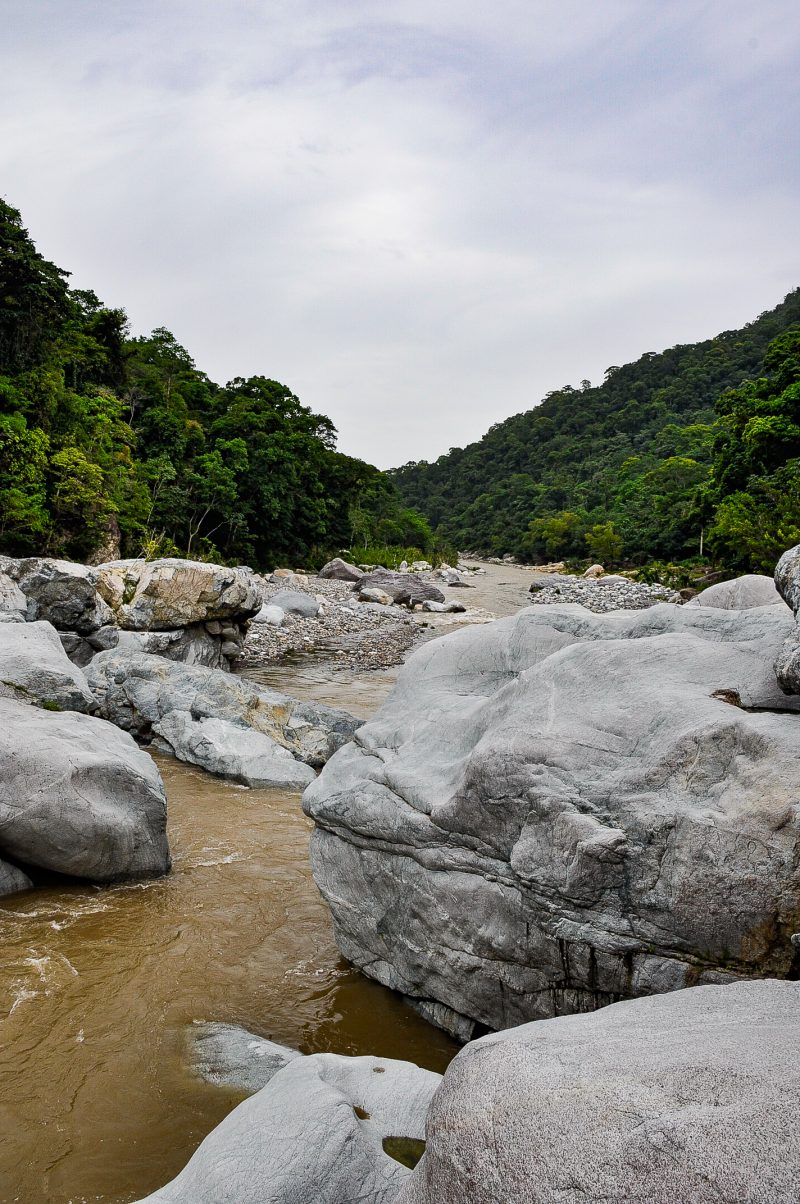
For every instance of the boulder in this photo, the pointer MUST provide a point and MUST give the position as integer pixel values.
(273, 615)
(34, 668)
(562, 809)
(12, 879)
(231, 751)
(81, 648)
(63, 593)
(13, 603)
(320, 1132)
(229, 1056)
(787, 579)
(453, 579)
(340, 570)
(161, 595)
(79, 797)
(693, 1096)
(295, 602)
(594, 570)
(193, 645)
(403, 588)
(373, 594)
(142, 693)
(741, 593)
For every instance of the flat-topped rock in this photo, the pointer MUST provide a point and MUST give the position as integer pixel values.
(160, 595)
(561, 809)
(78, 797)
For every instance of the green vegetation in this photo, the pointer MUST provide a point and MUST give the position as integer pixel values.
(108, 440)
(689, 452)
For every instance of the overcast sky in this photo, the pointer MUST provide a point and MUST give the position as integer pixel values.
(421, 216)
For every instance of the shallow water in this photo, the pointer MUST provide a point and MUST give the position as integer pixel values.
(98, 986)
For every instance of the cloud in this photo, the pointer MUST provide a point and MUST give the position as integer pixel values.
(420, 220)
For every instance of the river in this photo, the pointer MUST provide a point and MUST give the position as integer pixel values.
(99, 986)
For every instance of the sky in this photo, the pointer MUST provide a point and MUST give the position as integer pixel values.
(421, 217)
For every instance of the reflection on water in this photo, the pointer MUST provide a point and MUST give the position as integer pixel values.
(97, 987)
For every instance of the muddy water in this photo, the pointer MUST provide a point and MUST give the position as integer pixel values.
(98, 986)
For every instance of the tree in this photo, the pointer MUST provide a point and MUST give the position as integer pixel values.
(603, 542)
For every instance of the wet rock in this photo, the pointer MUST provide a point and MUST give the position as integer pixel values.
(295, 602)
(13, 879)
(314, 1135)
(78, 797)
(693, 1096)
(560, 809)
(34, 668)
(143, 694)
(340, 570)
(161, 595)
(63, 593)
(741, 593)
(229, 1056)
(231, 751)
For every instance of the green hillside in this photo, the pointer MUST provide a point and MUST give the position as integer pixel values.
(639, 467)
(110, 442)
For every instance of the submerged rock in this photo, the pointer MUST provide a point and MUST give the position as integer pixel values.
(79, 797)
(34, 668)
(229, 1056)
(693, 1096)
(318, 1133)
(146, 695)
(563, 809)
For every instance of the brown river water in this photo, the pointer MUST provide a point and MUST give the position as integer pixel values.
(98, 986)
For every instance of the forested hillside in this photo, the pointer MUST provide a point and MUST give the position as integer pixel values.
(669, 449)
(108, 440)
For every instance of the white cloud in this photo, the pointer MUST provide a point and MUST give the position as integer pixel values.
(419, 220)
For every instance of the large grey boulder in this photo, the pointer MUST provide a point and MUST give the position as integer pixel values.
(143, 694)
(405, 589)
(232, 751)
(35, 668)
(689, 1098)
(787, 579)
(562, 809)
(161, 595)
(78, 797)
(63, 593)
(192, 645)
(741, 593)
(314, 1135)
(339, 570)
(295, 602)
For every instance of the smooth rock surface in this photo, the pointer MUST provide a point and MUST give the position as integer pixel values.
(161, 595)
(294, 602)
(79, 797)
(563, 809)
(300, 1140)
(13, 603)
(12, 879)
(34, 668)
(688, 1098)
(741, 593)
(273, 615)
(234, 752)
(141, 693)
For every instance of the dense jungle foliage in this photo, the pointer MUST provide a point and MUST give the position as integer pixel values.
(695, 449)
(107, 438)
